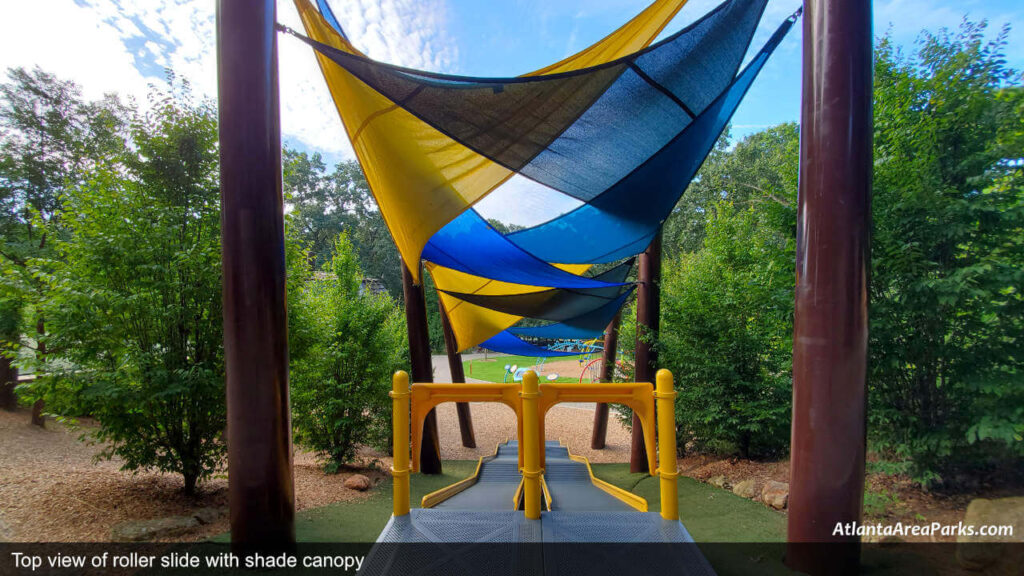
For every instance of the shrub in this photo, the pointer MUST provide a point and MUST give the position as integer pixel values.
(346, 345)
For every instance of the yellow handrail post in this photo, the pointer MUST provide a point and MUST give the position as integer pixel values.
(400, 425)
(665, 396)
(531, 445)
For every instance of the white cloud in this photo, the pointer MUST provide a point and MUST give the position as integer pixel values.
(123, 45)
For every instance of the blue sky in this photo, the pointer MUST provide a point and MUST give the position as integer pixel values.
(123, 45)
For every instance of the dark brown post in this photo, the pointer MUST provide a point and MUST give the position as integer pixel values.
(422, 370)
(260, 483)
(648, 315)
(458, 375)
(611, 345)
(831, 317)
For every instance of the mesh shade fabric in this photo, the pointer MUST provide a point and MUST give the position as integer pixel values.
(589, 325)
(470, 323)
(622, 221)
(556, 304)
(421, 177)
(506, 343)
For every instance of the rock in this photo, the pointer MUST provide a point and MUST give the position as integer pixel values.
(978, 552)
(745, 488)
(357, 482)
(775, 494)
(6, 532)
(209, 515)
(140, 530)
(719, 482)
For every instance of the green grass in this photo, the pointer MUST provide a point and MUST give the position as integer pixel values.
(493, 370)
(710, 514)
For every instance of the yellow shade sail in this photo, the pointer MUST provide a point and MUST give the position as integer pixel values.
(473, 324)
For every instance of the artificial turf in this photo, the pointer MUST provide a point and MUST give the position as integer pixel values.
(709, 513)
(493, 369)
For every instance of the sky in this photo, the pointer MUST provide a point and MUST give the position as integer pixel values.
(124, 45)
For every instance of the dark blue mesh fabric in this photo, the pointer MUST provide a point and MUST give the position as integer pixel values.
(617, 224)
(621, 221)
(469, 244)
(506, 343)
(590, 325)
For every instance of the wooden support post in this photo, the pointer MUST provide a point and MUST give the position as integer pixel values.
(648, 314)
(458, 375)
(831, 315)
(260, 482)
(422, 370)
(611, 345)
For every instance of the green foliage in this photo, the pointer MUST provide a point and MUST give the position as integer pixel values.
(726, 335)
(322, 205)
(947, 314)
(345, 345)
(133, 296)
(50, 139)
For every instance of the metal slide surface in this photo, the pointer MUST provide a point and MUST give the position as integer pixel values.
(568, 483)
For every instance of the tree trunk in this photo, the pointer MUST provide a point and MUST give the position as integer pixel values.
(40, 404)
(8, 380)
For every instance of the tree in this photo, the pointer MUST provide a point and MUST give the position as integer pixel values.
(346, 343)
(726, 333)
(133, 296)
(49, 139)
(324, 205)
(947, 313)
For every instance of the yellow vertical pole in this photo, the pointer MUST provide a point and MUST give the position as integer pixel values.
(531, 445)
(400, 425)
(665, 397)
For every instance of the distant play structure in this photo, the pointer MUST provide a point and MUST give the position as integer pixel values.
(621, 129)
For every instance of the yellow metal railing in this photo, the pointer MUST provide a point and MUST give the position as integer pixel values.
(531, 402)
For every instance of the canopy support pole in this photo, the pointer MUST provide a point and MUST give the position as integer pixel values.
(458, 375)
(422, 370)
(648, 314)
(611, 345)
(260, 483)
(831, 310)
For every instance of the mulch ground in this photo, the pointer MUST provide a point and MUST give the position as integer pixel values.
(53, 489)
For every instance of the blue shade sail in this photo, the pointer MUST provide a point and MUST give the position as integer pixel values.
(623, 220)
(469, 244)
(586, 326)
(506, 343)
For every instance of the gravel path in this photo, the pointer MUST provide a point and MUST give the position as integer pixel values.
(494, 423)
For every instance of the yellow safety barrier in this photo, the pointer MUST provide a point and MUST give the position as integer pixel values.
(632, 500)
(400, 426)
(636, 395)
(425, 397)
(665, 394)
(531, 446)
